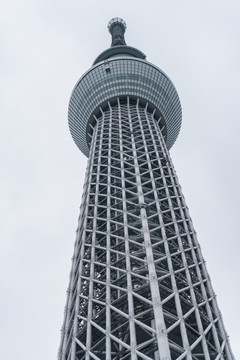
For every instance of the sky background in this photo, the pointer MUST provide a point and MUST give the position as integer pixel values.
(45, 47)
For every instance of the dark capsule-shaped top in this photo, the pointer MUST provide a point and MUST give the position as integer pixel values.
(117, 28)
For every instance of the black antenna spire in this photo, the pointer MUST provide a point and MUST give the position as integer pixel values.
(117, 28)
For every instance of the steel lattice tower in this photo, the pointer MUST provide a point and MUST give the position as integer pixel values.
(139, 288)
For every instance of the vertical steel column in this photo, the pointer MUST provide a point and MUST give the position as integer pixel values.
(161, 334)
(133, 342)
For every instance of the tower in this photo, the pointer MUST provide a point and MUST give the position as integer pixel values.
(139, 288)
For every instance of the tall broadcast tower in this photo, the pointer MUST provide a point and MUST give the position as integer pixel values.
(139, 288)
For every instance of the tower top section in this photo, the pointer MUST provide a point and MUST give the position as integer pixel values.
(117, 28)
(118, 72)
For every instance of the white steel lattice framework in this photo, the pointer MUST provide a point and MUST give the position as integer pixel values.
(139, 288)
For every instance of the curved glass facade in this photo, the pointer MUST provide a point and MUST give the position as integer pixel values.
(121, 77)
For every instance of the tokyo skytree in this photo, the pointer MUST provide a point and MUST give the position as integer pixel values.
(139, 288)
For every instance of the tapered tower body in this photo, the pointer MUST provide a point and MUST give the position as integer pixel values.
(138, 288)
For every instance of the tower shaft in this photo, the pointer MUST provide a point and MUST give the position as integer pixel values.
(139, 288)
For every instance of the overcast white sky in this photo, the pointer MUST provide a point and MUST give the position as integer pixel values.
(45, 47)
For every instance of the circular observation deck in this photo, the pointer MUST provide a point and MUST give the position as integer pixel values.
(120, 75)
